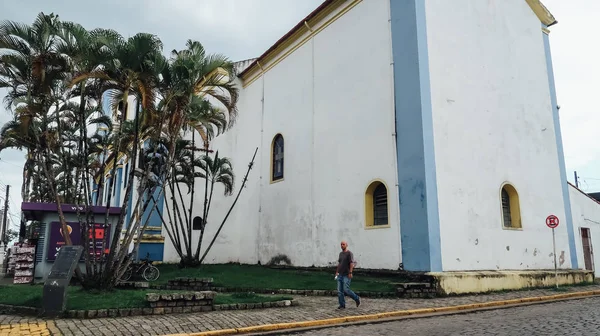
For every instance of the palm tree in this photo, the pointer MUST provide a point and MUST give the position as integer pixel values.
(17, 134)
(30, 58)
(188, 84)
(192, 73)
(182, 172)
(129, 70)
(30, 68)
(217, 170)
(50, 65)
(86, 51)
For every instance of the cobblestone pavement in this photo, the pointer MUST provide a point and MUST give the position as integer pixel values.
(578, 317)
(28, 328)
(310, 308)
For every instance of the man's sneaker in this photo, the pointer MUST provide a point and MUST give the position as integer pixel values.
(358, 302)
(341, 307)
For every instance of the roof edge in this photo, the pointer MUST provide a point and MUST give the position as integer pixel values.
(281, 40)
(542, 12)
(537, 6)
(583, 192)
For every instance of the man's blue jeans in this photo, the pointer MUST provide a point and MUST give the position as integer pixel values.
(343, 287)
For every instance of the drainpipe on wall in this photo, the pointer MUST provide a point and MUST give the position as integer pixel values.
(394, 135)
(262, 123)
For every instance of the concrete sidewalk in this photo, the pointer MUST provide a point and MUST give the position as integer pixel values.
(310, 309)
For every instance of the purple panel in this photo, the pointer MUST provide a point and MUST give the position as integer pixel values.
(56, 240)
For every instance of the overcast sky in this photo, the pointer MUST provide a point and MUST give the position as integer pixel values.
(243, 29)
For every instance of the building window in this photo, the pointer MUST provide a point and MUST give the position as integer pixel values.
(376, 205)
(380, 208)
(107, 183)
(197, 223)
(126, 175)
(511, 210)
(116, 184)
(506, 208)
(277, 158)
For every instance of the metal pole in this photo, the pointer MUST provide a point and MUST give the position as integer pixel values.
(136, 247)
(576, 180)
(554, 248)
(5, 216)
(1, 229)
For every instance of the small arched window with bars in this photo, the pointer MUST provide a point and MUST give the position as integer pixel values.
(511, 209)
(277, 158)
(376, 205)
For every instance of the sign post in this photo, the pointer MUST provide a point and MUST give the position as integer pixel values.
(54, 298)
(2, 255)
(552, 222)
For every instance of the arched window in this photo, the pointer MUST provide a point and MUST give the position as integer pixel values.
(277, 158)
(376, 205)
(197, 223)
(511, 210)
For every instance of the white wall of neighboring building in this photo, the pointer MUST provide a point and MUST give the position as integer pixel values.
(493, 123)
(586, 214)
(332, 101)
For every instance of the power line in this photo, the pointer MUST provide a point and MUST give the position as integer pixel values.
(10, 163)
(12, 223)
(13, 202)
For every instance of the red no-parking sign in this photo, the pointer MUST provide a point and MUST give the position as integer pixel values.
(552, 221)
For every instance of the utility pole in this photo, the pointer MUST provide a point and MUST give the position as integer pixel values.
(576, 180)
(5, 217)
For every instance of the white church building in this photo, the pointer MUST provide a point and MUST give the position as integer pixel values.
(423, 132)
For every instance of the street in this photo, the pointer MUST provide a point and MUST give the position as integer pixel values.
(579, 315)
(575, 317)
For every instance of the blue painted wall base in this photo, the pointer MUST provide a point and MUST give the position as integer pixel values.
(156, 251)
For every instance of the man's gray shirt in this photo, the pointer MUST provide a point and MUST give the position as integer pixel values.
(345, 259)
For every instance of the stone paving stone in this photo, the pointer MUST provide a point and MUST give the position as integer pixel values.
(580, 317)
(27, 328)
(310, 308)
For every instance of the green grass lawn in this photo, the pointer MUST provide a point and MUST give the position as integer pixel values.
(237, 276)
(78, 299)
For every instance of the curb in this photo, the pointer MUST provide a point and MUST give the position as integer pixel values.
(144, 311)
(301, 292)
(387, 315)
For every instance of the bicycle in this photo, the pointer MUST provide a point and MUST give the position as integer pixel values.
(148, 271)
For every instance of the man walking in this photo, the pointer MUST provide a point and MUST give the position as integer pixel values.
(343, 275)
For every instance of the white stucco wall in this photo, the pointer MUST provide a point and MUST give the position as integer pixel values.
(586, 214)
(493, 123)
(331, 99)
